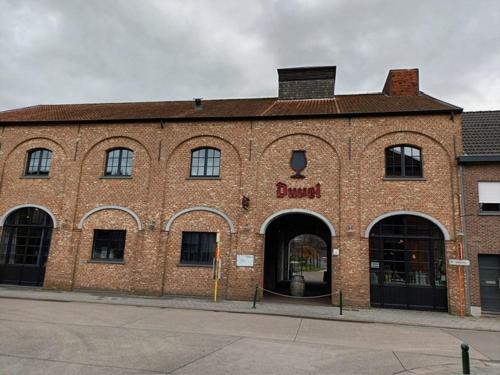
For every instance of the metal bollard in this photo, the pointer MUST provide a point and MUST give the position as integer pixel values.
(255, 296)
(340, 302)
(465, 359)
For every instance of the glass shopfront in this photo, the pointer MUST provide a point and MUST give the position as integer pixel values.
(24, 247)
(407, 264)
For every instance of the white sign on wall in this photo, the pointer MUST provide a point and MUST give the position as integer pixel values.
(459, 262)
(244, 260)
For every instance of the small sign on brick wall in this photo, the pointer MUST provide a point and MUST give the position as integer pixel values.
(244, 260)
(459, 262)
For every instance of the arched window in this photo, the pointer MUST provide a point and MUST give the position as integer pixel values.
(407, 264)
(403, 161)
(38, 162)
(119, 162)
(24, 246)
(205, 162)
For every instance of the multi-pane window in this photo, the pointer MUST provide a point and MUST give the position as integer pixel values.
(403, 161)
(407, 250)
(119, 162)
(198, 248)
(489, 196)
(108, 245)
(38, 163)
(205, 162)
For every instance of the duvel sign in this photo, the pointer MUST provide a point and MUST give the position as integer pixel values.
(282, 191)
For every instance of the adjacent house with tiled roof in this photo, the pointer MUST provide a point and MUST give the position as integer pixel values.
(480, 170)
(308, 193)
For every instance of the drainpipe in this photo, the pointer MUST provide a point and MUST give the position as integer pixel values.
(464, 239)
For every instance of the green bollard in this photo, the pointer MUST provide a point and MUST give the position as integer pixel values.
(255, 297)
(465, 359)
(340, 302)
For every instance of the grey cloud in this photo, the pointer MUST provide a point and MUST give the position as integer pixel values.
(107, 51)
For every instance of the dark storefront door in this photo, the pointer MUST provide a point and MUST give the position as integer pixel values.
(24, 247)
(489, 277)
(407, 265)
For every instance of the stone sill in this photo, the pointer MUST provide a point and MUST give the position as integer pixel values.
(115, 177)
(34, 177)
(202, 178)
(106, 261)
(194, 265)
(404, 179)
(489, 213)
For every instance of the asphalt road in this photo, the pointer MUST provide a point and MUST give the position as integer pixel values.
(40, 337)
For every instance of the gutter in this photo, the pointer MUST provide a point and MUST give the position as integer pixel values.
(464, 239)
(479, 158)
(233, 118)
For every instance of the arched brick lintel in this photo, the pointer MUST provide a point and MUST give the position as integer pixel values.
(119, 208)
(43, 208)
(169, 223)
(443, 229)
(296, 211)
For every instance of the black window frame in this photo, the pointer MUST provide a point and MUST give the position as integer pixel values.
(197, 240)
(487, 208)
(402, 163)
(116, 238)
(122, 162)
(205, 162)
(490, 207)
(43, 164)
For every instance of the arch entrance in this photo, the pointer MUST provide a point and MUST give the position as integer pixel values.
(298, 244)
(24, 246)
(407, 264)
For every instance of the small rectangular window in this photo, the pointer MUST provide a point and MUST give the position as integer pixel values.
(205, 162)
(403, 162)
(119, 162)
(38, 163)
(109, 245)
(198, 248)
(489, 196)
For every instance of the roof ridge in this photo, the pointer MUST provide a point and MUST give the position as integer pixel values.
(21, 108)
(484, 111)
(136, 102)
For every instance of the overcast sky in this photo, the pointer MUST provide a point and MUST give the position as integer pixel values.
(70, 51)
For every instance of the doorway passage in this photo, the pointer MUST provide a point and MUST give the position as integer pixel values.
(24, 246)
(298, 244)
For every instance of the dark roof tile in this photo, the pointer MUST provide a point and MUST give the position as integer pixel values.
(227, 108)
(481, 132)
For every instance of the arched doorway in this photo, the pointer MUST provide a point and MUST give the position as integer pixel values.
(298, 244)
(407, 264)
(24, 247)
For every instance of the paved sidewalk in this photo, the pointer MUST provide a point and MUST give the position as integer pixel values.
(404, 317)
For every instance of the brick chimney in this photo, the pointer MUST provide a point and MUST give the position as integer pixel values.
(306, 83)
(402, 82)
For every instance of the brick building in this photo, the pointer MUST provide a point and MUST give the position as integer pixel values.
(358, 193)
(480, 170)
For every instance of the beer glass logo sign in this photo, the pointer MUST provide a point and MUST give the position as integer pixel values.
(298, 162)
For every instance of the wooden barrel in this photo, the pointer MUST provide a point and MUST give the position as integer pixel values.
(297, 286)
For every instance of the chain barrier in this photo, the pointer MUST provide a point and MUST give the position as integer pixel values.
(296, 297)
(257, 287)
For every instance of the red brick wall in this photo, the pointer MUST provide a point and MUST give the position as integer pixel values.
(346, 156)
(482, 230)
